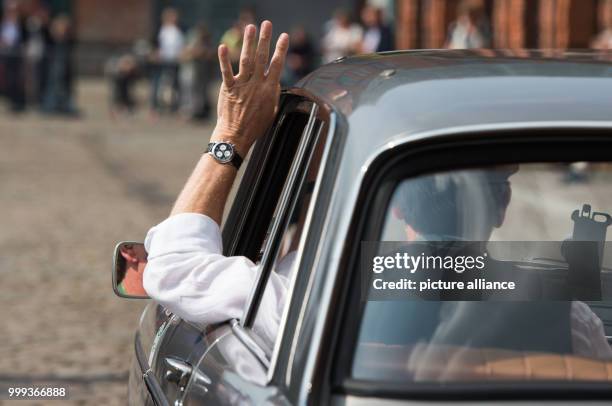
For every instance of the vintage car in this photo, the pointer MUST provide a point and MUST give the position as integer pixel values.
(489, 146)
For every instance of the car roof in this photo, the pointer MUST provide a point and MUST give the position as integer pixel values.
(386, 97)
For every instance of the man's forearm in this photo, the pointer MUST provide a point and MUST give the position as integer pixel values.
(207, 189)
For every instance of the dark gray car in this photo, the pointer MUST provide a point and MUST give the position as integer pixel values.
(383, 148)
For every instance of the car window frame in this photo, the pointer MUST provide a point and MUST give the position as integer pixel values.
(322, 134)
(569, 144)
(237, 229)
(286, 202)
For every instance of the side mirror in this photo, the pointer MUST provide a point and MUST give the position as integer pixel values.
(129, 262)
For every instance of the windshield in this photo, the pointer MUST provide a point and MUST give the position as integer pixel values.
(491, 274)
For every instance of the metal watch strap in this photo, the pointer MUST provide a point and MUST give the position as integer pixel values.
(236, 159)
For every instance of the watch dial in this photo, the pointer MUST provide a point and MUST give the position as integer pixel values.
(223, 152)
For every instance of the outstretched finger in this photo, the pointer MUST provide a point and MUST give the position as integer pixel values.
(263, 48)
(226, 66)
(247, 54)
(278, 59)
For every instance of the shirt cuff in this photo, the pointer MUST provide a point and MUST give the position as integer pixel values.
(183, 233)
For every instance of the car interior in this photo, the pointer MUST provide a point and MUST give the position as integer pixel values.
(546, 206)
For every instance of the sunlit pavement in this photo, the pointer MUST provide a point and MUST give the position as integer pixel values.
(70, 189)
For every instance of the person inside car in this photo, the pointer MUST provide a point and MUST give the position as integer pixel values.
(468, 206)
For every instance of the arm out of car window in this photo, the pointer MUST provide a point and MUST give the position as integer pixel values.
(187, 272)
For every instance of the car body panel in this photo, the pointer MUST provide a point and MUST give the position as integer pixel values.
(402, 94)
(230, 374)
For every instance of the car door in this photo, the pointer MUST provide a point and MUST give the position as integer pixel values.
(237, 368)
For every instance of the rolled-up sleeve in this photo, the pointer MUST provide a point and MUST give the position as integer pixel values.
(187, 273)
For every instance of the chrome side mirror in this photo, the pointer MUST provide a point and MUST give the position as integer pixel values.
(129, 262)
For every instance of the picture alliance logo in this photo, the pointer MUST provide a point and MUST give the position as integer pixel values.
(415, 263)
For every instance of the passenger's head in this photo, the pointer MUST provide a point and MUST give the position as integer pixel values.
(170, 16)
(464, 204)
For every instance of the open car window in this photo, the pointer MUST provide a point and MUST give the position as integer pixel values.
(543, 227)
(281, 251)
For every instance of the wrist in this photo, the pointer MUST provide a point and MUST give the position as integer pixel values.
(241, 145)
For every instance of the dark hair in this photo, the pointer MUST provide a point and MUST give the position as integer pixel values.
(121, 266)
(429, 206)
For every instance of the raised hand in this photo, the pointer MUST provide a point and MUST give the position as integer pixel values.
(248, 101)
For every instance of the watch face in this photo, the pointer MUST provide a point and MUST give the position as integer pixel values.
(223, 152)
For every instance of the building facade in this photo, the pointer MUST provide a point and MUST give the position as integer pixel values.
(515, 24)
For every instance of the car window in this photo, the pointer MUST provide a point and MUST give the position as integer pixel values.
(284, 245)
(541, 226)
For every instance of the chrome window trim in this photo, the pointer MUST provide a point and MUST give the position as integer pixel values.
(332, 122)
(298, 262)
(334, 255)
(242, 334)
(284, 202)
(161, 332)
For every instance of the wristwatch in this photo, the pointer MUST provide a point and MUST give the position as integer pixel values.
(225, 153)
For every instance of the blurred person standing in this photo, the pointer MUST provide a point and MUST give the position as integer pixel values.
(58, 95)
(12, 40)
(300, 57)
(378, 37)
(471, 29)
(37, 53)
(170, 42)
(123, 73)
(197, 73)
(343, 37)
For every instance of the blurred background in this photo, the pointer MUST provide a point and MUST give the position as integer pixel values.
(106, 105)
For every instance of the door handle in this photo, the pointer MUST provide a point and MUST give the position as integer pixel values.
(178, 372)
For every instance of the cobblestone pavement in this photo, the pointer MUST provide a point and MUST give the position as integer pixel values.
(69, 190)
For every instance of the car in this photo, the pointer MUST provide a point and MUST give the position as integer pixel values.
(381, 148)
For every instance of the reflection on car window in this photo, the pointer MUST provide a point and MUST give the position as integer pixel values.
(425, 340)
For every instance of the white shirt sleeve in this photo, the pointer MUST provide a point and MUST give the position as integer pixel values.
(188, 274)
